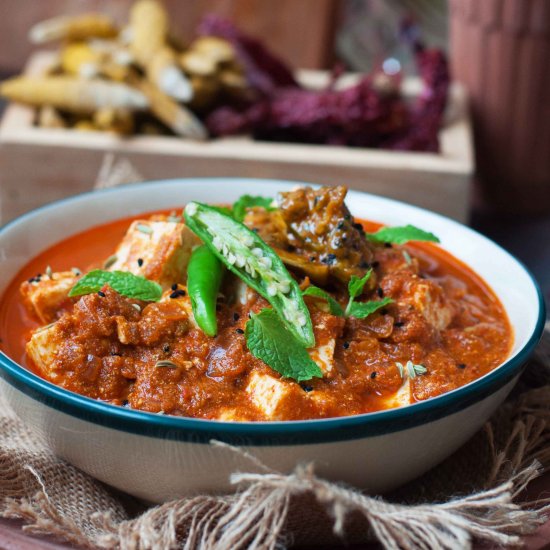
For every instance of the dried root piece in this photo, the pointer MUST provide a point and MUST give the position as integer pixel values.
(195, 63)
(79, 59)
(73, 94)
(119, 121)
(48, 117)
(177, 117)
(149, 46)
(77, 27)
(84, 125)
(205, 91)
(214, 69)
(217, 49)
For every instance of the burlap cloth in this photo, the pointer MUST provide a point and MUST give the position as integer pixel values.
(475, 495)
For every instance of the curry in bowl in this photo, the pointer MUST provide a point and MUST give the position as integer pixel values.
(283, 309)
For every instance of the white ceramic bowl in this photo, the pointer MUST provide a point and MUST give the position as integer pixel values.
(159, 457)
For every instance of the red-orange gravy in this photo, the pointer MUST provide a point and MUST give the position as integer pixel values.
(366, 378)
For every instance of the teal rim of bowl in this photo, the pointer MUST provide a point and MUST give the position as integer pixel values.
(273, 432)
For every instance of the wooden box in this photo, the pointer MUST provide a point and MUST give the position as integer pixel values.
(41, 165)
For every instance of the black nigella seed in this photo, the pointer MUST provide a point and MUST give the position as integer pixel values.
(101, 293)
(364, 265)
(461, 366)
(388, 245)
(312, 258)
(340, 224)
(329, 259)
(291, 248)
(236, 316)
(373, 375)
(376, 263)
(140, 262)
(307, 388)
(380, 292)
(126, 403)
(174, 294)
(166, 348)
(174, 286)
(346, 345)
(399, 324)
(239, 331)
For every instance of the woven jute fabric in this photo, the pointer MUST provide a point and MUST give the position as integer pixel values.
(475, 495)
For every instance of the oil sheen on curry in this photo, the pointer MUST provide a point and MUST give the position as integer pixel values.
(268, 309)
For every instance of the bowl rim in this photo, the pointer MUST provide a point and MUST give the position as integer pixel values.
(266, 432)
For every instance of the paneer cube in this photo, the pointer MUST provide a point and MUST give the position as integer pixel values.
(42, 349)
(428, 298)
(45, 296)
(401, 397)
(156, 250)
(272, 395)
(182, 301)
(323, 355)
(327, 328)
(230, 415)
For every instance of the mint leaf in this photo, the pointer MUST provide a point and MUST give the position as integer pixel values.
(123, 282)
(223, 210)
(269, 340)
(360, 310)
(247, 201)
(401, 235)
(356, 284)
(334, 307)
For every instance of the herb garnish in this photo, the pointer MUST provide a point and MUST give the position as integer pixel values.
(333, 306)
(245, 254)
(248, 201)
(269, 340)
(123, 282)
(410, 369)
(359, 310)
(401, 235)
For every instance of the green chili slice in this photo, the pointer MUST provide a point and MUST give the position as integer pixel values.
(204, 276)
(252, 260)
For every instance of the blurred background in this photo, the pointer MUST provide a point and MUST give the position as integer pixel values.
(499, 50)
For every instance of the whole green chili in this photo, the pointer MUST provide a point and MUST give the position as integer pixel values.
(204, 276)
(252, 260)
